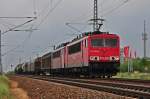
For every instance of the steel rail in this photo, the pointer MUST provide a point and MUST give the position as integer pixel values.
(134, 86)
(128, 80)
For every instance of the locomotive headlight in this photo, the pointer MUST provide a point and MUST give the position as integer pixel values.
(117, 58)
(114, 58)
(94, 58)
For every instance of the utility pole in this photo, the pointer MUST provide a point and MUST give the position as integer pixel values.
(1, 69)
(144, 38)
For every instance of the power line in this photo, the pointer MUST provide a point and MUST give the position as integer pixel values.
(26, 30)
(43, 10)
(17, 17)
(11, 50)
(70, 26)
(26, 39)
(21, 44)
(50, 11)
(20, 25)
(110, 11)
(11, 29)
(14, 28)
(7, 23)
(116, 8)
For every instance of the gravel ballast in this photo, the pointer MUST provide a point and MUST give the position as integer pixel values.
(38, 89)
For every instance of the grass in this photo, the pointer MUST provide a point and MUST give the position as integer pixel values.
(134, 75)
(4, 88)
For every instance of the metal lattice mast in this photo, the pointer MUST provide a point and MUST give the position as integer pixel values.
(95, 18)
(96, 24)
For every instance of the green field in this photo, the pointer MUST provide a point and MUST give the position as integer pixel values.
(140, 69)
(134, 75)
(140, 65)
(4, 88)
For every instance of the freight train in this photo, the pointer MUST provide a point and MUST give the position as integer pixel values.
(92, 54)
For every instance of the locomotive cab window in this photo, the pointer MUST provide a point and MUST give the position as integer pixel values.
(104, 42)
(98, 42)
(112, 42)
(74, 48)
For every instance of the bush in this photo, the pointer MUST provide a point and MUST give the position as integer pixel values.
(4, 90)
(140, 65)
(124, 67)
(4, 87)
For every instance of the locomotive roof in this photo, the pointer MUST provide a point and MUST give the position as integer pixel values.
(37, 59)
(47, 55)
(79, 37)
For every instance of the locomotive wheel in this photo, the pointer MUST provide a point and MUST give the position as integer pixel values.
(100, 76)
(103, 76)
(108, 76)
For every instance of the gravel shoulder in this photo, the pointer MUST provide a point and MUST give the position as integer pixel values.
(37, 89)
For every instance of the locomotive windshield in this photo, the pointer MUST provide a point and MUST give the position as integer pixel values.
(99, 42)
(110, 42)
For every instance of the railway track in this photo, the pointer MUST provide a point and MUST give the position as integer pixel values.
(124, 87)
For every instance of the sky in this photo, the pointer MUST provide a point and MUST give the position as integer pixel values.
(122, 17)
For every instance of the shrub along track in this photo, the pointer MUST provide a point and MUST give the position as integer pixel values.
(125, 87)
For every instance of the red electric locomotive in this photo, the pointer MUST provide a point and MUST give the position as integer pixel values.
(104, 54)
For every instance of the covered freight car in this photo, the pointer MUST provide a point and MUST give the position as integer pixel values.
(37, 65)
(28, 67)
(25, 67)
(18, 69)
(46, 63)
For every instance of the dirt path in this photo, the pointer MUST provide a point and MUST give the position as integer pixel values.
(16, 92)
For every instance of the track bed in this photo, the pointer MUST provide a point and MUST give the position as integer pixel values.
(38, 89)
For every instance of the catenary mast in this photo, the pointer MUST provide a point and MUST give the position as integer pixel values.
(96, 24)
(95, 18)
